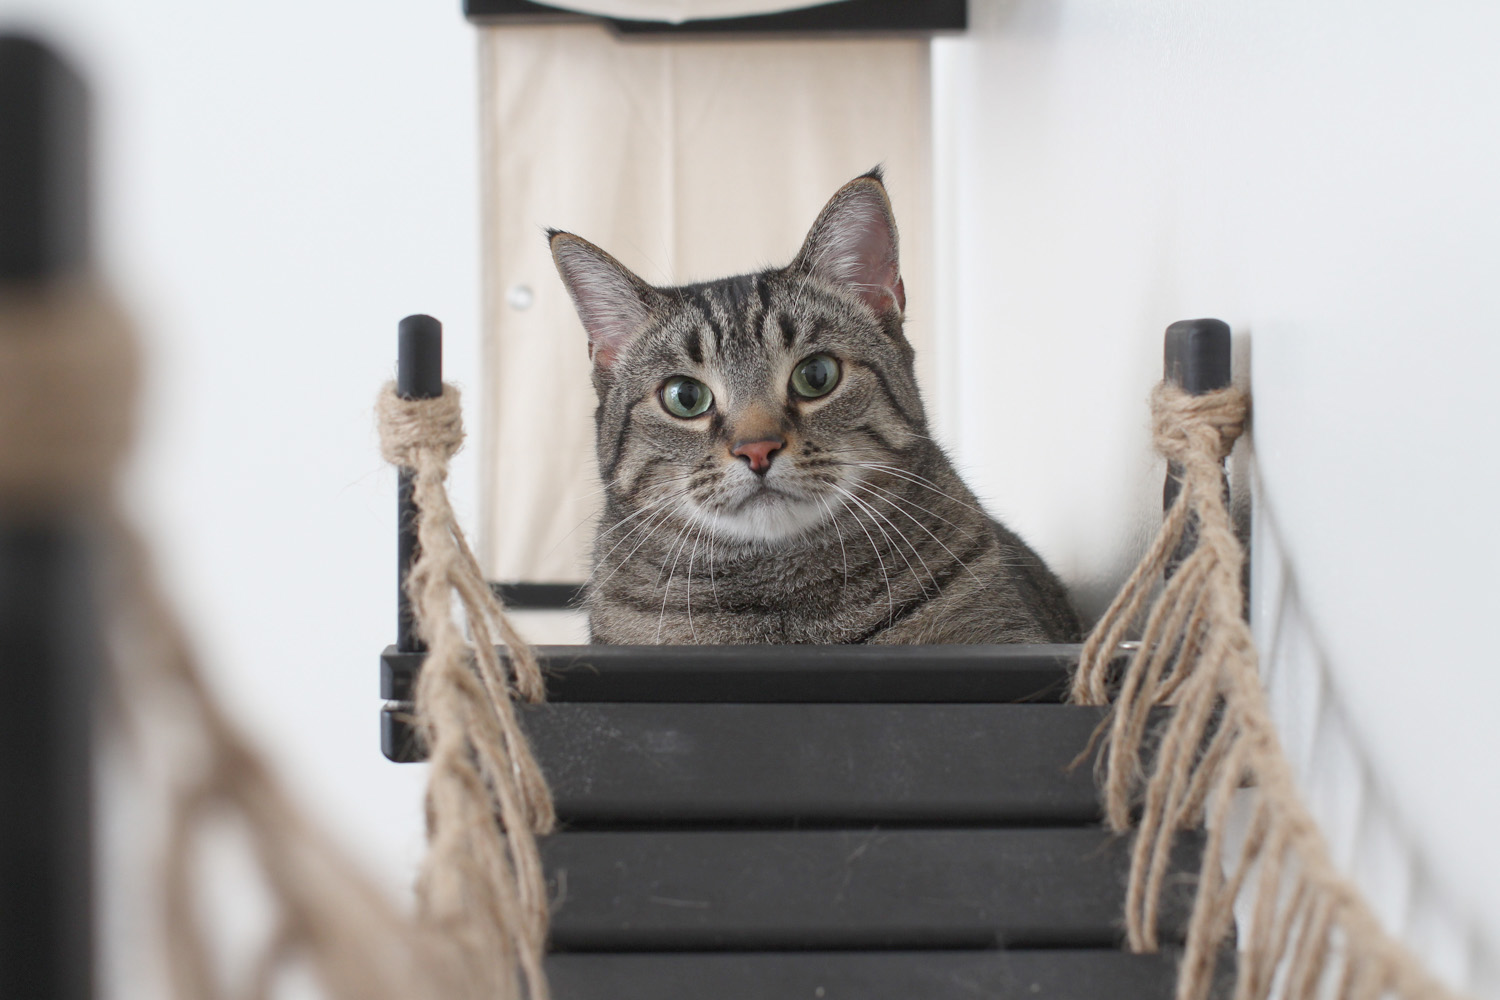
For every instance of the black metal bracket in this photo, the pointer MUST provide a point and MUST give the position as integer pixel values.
(849, 17)
(539, 596)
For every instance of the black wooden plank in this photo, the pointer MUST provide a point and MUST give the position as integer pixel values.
(859, 764)
(846, 17)
(539, 596)
(843, 889)
(989, 673)
(1056, 974)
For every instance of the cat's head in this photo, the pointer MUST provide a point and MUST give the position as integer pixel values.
(750, 404)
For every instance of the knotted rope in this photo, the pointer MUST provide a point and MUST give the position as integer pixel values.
(68, 373)
(1309, 924)
(68, 377)
(480, 879)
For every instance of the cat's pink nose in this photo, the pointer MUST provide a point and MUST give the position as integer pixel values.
(758, 453)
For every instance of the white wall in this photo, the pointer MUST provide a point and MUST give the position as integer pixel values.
(281, 183)
(285, 182)
(1322, 175)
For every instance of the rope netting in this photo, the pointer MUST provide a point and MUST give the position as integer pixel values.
(67, 386)
(1310, 934)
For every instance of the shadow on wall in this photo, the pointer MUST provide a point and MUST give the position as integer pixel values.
(1368, 836)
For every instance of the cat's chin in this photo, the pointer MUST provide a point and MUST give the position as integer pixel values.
(766, 519)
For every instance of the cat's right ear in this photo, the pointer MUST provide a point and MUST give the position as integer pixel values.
(612, 302)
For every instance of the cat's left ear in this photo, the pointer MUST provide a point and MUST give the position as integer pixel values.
(853, 244)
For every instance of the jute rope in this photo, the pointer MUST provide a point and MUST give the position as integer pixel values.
(67, 392)
(479, 878)
(68, 373)
(1309, 927)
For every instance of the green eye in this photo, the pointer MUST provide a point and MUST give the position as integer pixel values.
(815, 376)
(685, 397)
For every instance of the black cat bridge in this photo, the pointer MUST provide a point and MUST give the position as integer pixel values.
(777, 822)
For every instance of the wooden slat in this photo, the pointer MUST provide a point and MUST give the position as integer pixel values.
(772, 674)
(891, 975)
(721, 890)
(851, 764)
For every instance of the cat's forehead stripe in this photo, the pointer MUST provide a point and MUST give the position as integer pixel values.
(788, 330)
(763, 290)
(735, 321)
(705, 308)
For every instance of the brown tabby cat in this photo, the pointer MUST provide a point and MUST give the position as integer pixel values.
(768, 471)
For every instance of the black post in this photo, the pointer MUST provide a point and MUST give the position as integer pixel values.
(419, 375)
(1196, 358)
(50, 652)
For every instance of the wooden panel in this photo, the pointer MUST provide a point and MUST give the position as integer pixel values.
(720, 890)
(853, 764)
(891, 975)
(999, 673)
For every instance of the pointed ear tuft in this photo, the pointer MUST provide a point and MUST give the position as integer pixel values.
(853, 244)
(611, 301)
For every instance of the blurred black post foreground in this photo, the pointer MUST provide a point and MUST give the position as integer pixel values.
(50, 652)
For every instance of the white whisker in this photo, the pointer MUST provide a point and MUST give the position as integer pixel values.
(656, 507)
(889, 594)
(913, 503)
(875, 513)
(834, 521)
(666, 516)
(713, 583)
(924, 527)
(697, 537)
(917, 480)
(677, 548)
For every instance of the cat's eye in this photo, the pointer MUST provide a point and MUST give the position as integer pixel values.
(815, 376)
(685, 397)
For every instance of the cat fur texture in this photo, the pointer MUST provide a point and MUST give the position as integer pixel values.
(769, 474)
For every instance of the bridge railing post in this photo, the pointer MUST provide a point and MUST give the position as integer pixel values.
(50, 647)
(1196, 357)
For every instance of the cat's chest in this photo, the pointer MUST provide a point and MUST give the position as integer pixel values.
(809, 595)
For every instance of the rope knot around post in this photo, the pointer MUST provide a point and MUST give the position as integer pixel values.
(68, 378)
(1216, 749)
(412, 429)
(487, 801)
(1188, 428)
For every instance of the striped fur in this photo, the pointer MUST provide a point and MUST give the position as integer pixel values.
(860, 531)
